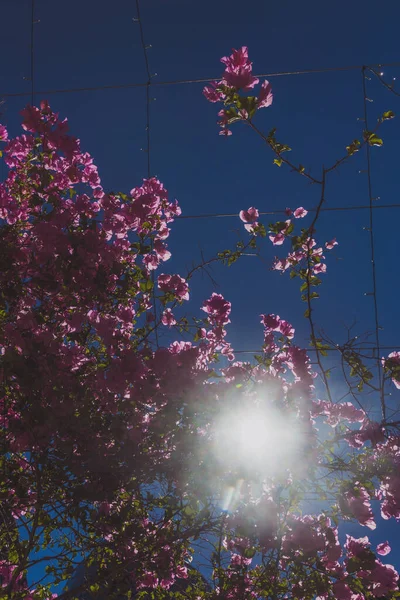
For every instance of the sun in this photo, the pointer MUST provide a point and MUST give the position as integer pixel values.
(258, 441)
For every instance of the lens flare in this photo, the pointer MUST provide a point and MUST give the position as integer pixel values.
(265, 441)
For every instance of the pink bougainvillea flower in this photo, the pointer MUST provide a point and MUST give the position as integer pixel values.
(358, 504)
(265, 96)
(383, 549)
(181, 572)
(225, 132)
(3, 134)
(319, 268)
(175, 284)
(393, 359)
(249, 215)
(281, 264)
(237, 60)
(277, 239)
(32, 119)
(151, 261)
(251, 227)
(383, 579)
(300, 213)
(149, 580)
(275, 323)
(238, 70)
(161, 250)
(356, 546)
(288, 212)
(369, 431)
(270, 321)
(212, 94)
(224, 118)
(286, 329)
(168, 318)
(330, 245)
(218, 309)
(342, 591)
(302, 533)
(238, 560)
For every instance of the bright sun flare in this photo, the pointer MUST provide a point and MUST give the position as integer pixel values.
(263, 441)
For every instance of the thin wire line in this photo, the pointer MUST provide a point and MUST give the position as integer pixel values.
(338, 349)
(32, 51)
(281, 211)
(190, 81)
(383, 82)
(372, 244)
(148, 84)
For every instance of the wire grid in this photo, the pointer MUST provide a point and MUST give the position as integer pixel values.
(138, 19)
(121, 86)
(377, 347)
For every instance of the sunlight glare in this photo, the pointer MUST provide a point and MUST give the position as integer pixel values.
(261, 440)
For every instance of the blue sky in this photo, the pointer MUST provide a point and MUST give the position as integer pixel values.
(94, 43)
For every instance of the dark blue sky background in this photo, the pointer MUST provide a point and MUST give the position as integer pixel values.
(94, 42)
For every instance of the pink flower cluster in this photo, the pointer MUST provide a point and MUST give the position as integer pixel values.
(377, 578)
(249, 217)
(298, 213)
(392, 362)
(19, 586)
(238, 70)
(237, 76)
(84, 385)
(300, 255)
(303, 534)
(213, 340)
(335, 413)
(175, 285)
(356, 503)
(3, 134)
(305, 252)
(272, 324)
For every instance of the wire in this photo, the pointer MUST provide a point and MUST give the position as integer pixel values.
(148, 84)
(372, 243)
(190, 81)
(281, 211)
(339, 348)
(32, 51)
(383, 82)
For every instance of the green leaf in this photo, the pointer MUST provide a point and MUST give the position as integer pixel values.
(353, 564)
(278, 161)
(372, 138)
(353, 147)
(307, 313)
(375, 141)
(232, 115)
(249, 104)
(289, 229)
(249, 552)
(146, 286)
(389, 114)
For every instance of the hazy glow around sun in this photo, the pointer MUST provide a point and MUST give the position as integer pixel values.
(262, 439)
